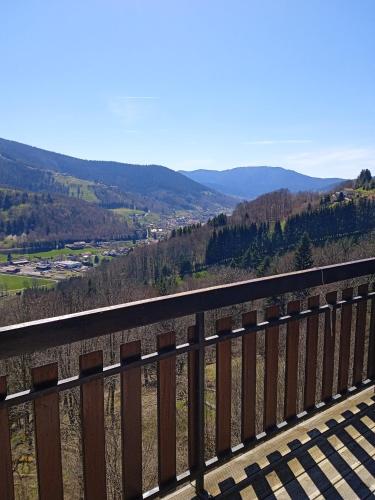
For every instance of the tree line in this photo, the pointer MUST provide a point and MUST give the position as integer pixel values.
(248, 245)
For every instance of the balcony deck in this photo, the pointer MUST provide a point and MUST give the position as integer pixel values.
(311, 351)
(331, 455)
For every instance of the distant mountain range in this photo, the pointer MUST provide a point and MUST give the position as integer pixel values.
(160, 189)
(109, 184)
(249, 182)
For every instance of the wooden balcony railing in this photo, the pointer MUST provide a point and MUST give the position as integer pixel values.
(356, 343)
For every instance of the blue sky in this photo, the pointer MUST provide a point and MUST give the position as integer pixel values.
(193, 84)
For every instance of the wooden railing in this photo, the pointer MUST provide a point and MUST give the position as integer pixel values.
(356, 330)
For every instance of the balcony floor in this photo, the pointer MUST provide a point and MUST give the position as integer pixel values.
(331, 455)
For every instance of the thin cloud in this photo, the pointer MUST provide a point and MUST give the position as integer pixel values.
(345, 162)
(267, 142)
(133, 110)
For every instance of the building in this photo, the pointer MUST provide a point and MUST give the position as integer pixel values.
(68, 264)
(43, 266)
(20, 262)
(77, 245)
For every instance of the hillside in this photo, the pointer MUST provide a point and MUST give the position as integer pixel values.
(152, 186)
(226, 250)
(39, 218)
(250, 182)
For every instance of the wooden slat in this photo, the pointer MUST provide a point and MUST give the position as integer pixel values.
(248, 378)
(311, 354)
(329, 348)
(223, 388)
(93, 433)
(47, 433)
(371, 345)
(131, 421)
(193, 450)
(6, 473)
(360, 331)
(291, 368)
(346, 325)
(271, 369)
(167, 410)
(51, 332)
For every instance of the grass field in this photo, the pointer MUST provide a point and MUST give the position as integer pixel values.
(127, 211)
(78, 188)
(50, 254)
(12, 283)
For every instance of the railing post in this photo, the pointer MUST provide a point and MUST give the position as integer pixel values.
(199, 482)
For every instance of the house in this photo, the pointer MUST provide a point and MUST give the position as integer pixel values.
(77, 245)
(43, 266)
(68, 264)
(20, 262)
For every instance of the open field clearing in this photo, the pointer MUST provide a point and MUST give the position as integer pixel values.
(11, 283)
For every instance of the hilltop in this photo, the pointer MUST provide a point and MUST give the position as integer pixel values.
(111, 184)
(249, 182)
(39, 218)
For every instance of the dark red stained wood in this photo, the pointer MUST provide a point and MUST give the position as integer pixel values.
(311, 354)
(193, 401)
(271, 369)
(371, 346)
(346, 325)
(248, 378)
(360, 331)
(131, 421)
(167, 410)
(223, 388)
(291, 367)
(93, 433)
(6, 473)
(51, 332)
(47, 433)
(329, 347)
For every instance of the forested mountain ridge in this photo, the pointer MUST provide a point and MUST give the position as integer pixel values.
(250, 182)
(38, 218)
(158, 187)
(20, 175)
(249, 245)
(194, 257)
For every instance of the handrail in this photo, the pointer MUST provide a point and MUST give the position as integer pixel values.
(42, 334)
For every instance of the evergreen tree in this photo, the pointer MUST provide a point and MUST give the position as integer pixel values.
(364, 179)
(303, 257)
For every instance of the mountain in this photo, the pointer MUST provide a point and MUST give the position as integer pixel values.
(157, 187)
(40, 217)
(250, 182)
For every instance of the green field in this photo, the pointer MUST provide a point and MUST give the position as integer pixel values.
(128, 213)
(12, 282)
(78, 188)
(51, 254)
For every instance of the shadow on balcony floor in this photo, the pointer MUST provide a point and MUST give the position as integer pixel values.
(331, 455)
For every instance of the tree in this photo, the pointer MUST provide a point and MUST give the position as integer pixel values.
(303, 258)
(364, 179)
(341, 197)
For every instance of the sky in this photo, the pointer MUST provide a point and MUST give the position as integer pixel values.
(193, 83)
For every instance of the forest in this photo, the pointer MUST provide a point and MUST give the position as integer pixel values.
(41, 218)
(175, 265)
(227, 248)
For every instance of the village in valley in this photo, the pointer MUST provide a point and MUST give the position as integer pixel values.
(45, 269)
(22, 269)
